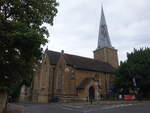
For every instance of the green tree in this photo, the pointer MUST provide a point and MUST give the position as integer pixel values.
(21, 38)
(133, 74)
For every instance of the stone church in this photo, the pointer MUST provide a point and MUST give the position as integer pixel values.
(71, 77)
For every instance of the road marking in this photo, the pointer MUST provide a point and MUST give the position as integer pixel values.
(78, 108)
(107, 108)
(71, 106)
(117, 106)
(91, 110)
(66, 108)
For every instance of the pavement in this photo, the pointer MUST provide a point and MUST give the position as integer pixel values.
(108, 102)
(15, 108)
(85, 107)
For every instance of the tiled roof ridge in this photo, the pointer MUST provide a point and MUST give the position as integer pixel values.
(80, 62)
(88, 58)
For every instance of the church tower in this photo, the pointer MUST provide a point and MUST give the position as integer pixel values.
(104, 51)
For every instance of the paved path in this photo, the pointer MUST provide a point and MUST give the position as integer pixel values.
(15, 108)
(63, 108)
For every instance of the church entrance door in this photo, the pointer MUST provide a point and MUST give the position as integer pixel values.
(91, 93)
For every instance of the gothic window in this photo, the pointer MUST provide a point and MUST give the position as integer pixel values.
(59, 80)
(45, 73)
(57, 77)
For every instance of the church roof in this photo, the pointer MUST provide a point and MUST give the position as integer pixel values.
(81, 63)
(53, 57)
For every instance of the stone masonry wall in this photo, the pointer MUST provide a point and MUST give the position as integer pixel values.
(3, 99)
(107, 55)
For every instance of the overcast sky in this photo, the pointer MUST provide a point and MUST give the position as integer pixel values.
(76, 25)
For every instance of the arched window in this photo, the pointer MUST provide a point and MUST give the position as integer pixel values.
(59, 78)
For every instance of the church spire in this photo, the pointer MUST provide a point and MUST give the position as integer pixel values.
(103, 37)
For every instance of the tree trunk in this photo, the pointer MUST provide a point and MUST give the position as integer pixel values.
(3, 101)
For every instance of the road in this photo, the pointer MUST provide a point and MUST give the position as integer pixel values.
(60, 108)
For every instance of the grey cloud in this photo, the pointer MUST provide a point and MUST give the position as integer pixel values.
(76, 26)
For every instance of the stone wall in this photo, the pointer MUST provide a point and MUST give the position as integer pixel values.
(102, 79)
(44, 81)
(3, 99)
(25, 94)
(107, 55)
(62, 80)
(35, 84)
(71, 78)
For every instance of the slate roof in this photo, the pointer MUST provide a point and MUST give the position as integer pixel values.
(103, 37)
(81, 63)
(53, 57)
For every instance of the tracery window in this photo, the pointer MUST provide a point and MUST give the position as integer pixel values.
(59, 80)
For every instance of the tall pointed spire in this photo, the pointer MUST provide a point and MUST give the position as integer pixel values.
(103, 37)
